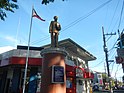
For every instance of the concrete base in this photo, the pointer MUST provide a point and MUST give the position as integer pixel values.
(52, 56)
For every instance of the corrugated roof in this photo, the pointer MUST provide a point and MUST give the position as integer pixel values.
(70, 45)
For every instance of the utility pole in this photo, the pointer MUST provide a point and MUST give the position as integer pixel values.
(106, 55)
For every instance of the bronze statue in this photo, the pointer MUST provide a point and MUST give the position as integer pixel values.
(54, 30)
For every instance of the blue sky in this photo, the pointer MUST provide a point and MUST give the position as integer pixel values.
(87, 33)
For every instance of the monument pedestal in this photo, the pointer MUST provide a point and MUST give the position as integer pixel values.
(53, 78)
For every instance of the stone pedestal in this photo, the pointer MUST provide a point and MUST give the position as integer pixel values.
(52, 57)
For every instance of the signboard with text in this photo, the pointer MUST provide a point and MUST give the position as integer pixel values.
(57, 74)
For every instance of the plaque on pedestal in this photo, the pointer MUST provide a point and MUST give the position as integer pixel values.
(57, 74)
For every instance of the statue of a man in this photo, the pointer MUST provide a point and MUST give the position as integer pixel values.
(54, 29)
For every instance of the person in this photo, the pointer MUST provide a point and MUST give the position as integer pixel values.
(91, 90)
(95, 88)
(54, 30)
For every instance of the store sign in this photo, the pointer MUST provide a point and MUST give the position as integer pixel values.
(57, 74)
(79, 73)
(119, 60)
(100, 80)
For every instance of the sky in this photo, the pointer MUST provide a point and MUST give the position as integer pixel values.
(79, 21)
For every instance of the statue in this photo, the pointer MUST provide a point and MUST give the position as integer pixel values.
(54, 30)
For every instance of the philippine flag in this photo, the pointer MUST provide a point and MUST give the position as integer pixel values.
(36, 15)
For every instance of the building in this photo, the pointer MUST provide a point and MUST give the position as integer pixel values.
(12, 64)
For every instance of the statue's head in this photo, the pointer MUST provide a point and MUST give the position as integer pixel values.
(55, 18)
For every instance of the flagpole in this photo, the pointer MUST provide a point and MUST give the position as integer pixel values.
(26, 64)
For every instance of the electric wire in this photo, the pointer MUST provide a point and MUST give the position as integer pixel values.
(98, 63)
(114, 52)
(121, 15)
(106, 14)
(81, 18)
(115, 24)
(113, 46)
(112, 55)
(108, 38)
(90, 13)
(110, 51)
(41, 39)
(113, 15)
(112, 58)
(113, 62)
(118, 28)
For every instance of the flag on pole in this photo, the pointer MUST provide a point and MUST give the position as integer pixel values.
(36, 15)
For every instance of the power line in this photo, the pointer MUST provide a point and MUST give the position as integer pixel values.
(90, 13)
(42, 39)
(121, 15)
(98, 63)
(106, 14)
(82, 17)
(114, 14)
(113, 62)
(119, 34)
(115, 24)
(108, 39)
(112, 57)
(112, 52)
(113, 46)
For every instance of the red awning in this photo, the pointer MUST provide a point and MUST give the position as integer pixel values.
(21, 61)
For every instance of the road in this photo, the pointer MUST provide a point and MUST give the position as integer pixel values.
(115, 91)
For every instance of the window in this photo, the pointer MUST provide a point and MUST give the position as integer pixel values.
(69, 83)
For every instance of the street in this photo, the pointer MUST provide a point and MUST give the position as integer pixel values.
(115, 91)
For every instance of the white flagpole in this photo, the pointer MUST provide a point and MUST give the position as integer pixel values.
(26, 64)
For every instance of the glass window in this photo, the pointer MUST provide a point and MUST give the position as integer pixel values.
(68, 83)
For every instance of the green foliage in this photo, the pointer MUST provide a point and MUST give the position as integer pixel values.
(104, 75)
(113, 82)
(6, 5)
(47, 1)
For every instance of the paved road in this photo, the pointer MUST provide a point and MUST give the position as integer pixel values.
(115, 91)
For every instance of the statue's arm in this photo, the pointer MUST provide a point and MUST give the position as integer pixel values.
(58, 27)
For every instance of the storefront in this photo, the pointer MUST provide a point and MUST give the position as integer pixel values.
(12, 67)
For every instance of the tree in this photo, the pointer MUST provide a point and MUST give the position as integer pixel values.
(7, 5)
(47, 1)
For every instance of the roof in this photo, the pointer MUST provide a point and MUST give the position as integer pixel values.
(72, 46)
(30, 48)
(0, 56)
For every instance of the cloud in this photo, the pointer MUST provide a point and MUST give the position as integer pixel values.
(10, 38)
(5, 48)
